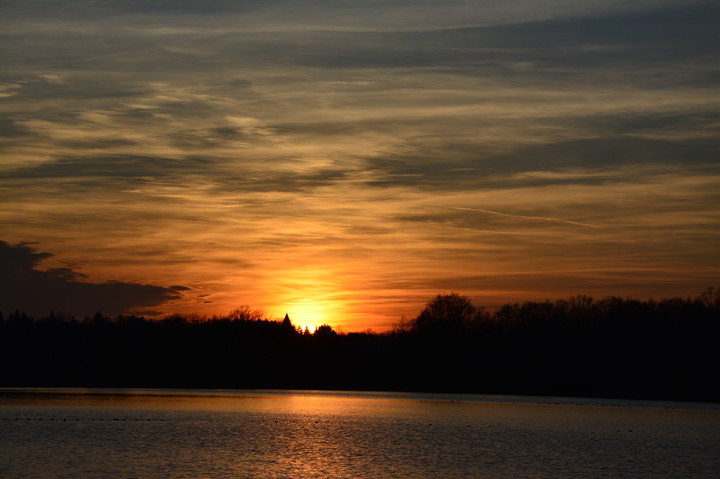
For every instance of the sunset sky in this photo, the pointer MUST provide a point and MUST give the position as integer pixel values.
(344, 161)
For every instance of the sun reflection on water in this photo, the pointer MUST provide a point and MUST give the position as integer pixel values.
(344, 434)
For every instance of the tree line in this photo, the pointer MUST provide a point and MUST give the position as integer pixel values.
(578, 346)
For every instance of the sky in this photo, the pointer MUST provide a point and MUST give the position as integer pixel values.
(345, 161)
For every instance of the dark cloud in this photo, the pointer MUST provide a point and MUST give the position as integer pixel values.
(639, 123)
(26, 288)
(96, 143)
(472, 168)
(10, 129)
(283, 181)
(55, 9)
(180, 288)
(112, 166)
(585, 43)
(610, 152)
(76, 86)
(116, 172)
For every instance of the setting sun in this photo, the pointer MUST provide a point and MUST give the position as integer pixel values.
(308, 327)
(310, 295)
(309, 314)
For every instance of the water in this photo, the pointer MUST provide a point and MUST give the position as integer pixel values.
(312, 434)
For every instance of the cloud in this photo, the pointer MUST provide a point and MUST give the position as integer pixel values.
(180, 288)
(24, 287)
(524, 217)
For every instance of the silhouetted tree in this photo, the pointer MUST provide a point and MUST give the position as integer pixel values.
(244, 313)
(402, 327)
(445, 314)
(711, 298)
(577, 346)
(287, 326)
(324, 331)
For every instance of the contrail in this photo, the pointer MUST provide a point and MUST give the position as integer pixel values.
(539, 218)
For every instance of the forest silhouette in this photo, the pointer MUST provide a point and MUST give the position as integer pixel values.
(612, 347)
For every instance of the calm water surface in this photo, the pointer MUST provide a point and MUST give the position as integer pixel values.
(313, 434)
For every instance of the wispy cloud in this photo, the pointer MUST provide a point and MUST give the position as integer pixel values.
(536, 218)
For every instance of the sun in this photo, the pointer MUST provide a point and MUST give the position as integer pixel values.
(310, 314)
(308, 327)
(311, 297)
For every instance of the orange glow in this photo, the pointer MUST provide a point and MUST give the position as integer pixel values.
(311, 296)
(311, 314)
(309, 327)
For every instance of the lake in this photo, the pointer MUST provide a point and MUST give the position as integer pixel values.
(74, 433)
